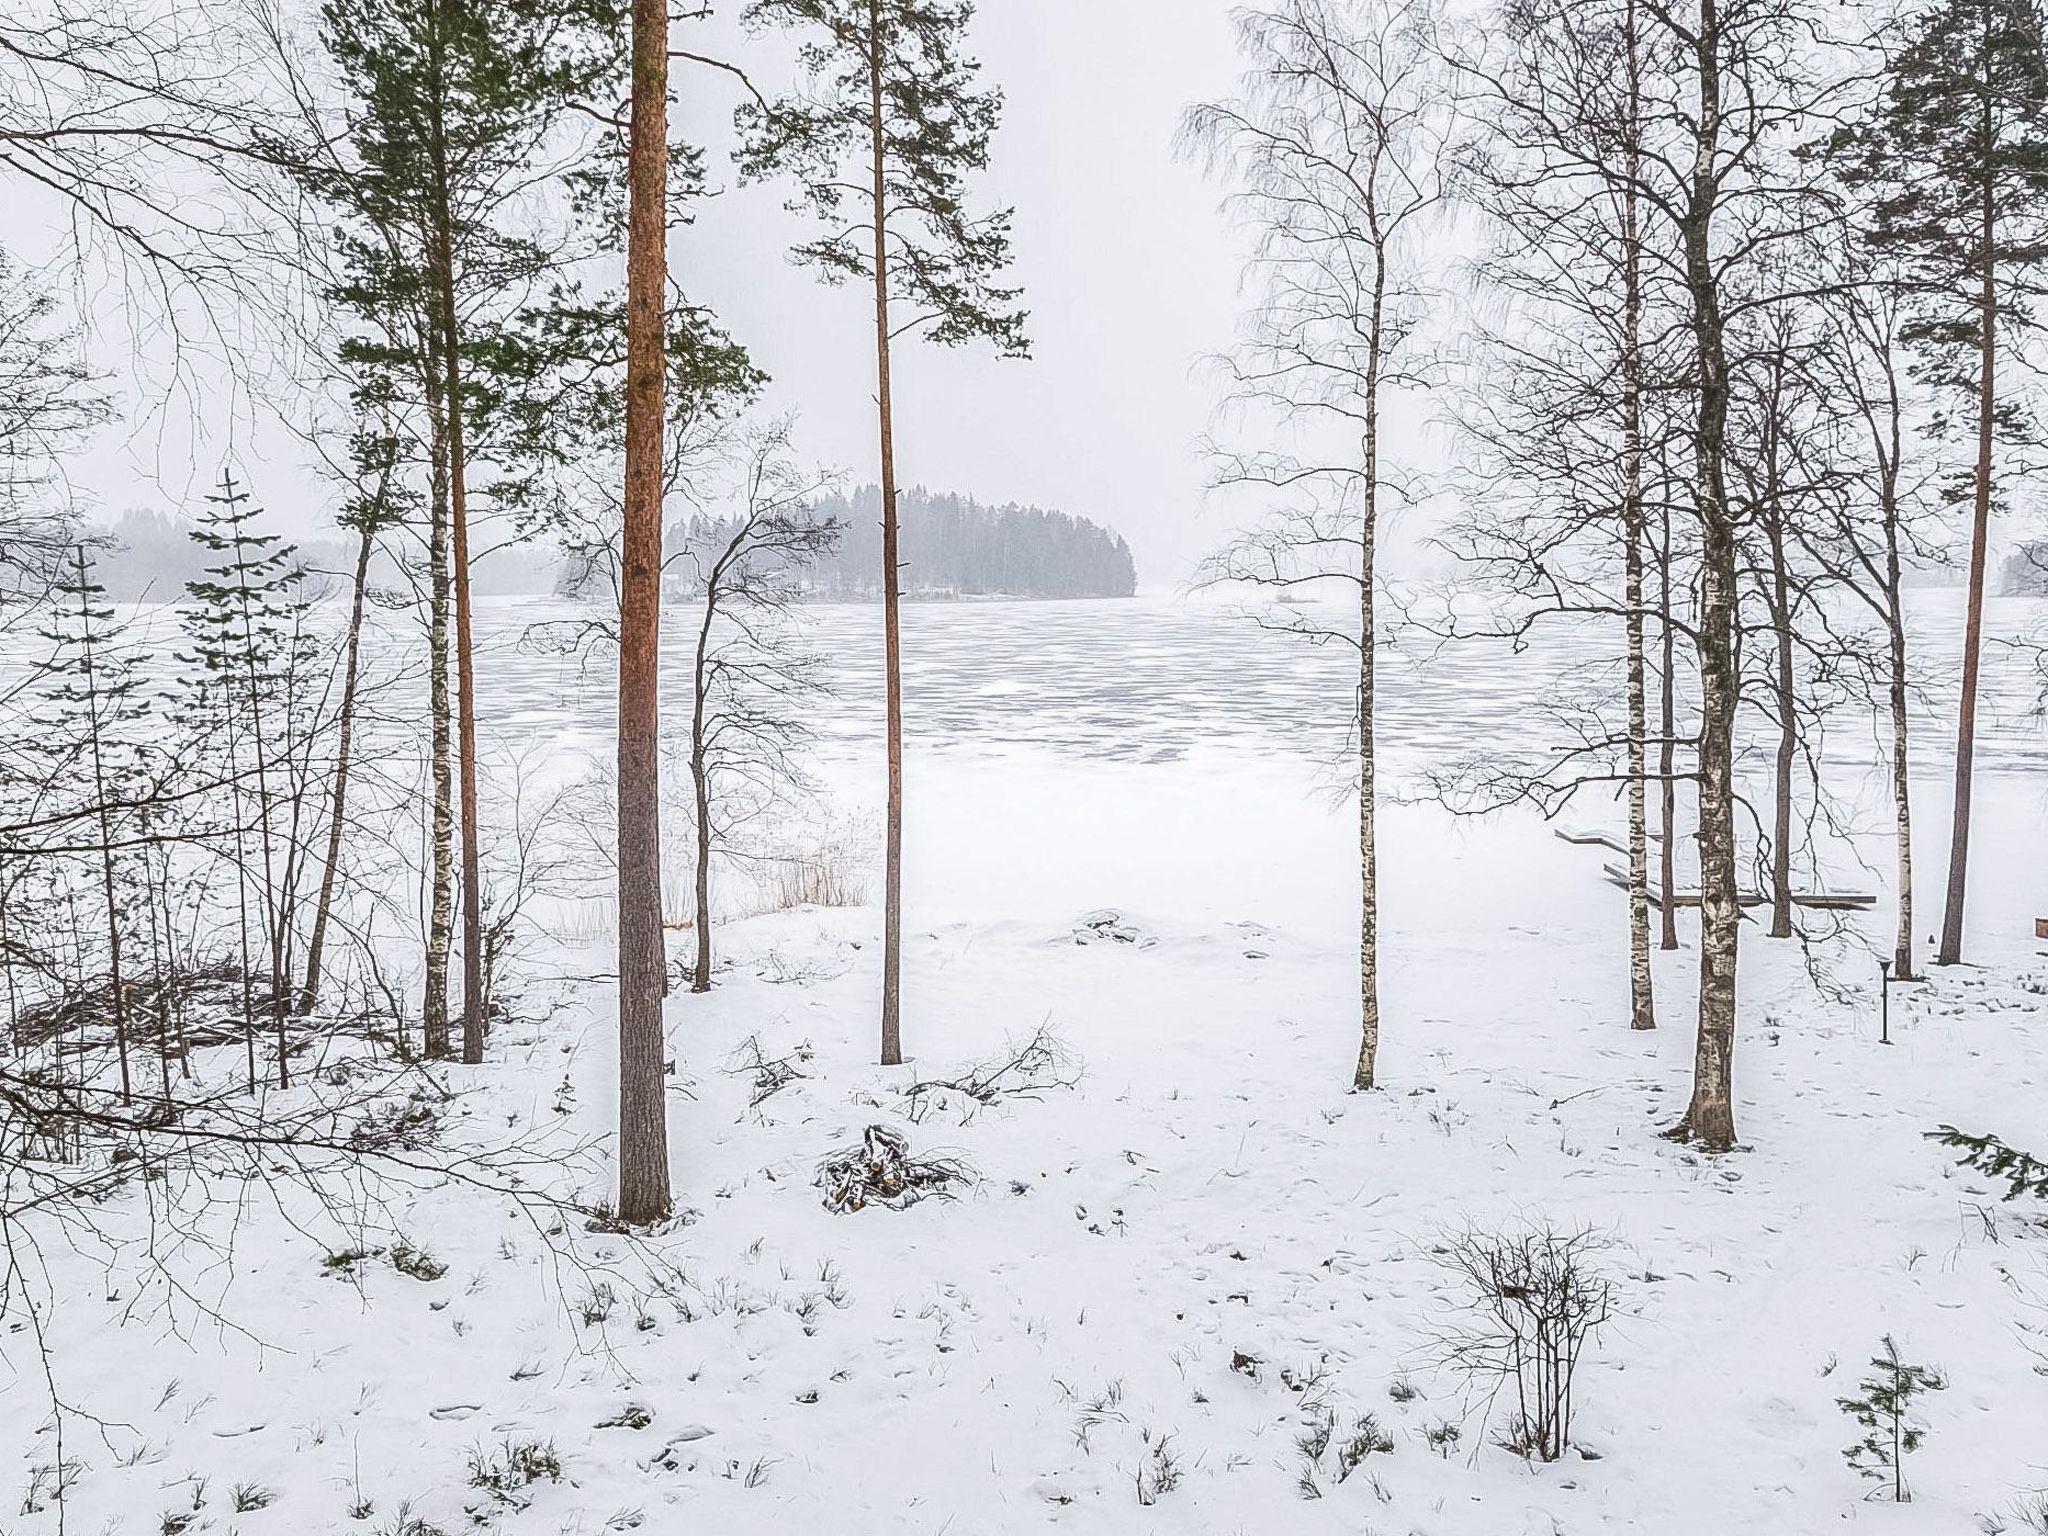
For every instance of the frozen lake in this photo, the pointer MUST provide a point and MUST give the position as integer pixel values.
(1156, 679)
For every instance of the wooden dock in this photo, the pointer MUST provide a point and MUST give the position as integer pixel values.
(1822, 901)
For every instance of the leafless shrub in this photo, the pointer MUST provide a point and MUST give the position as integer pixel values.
(1535, 1298)
(1029, 1071)
(771, 1074)
(881, 1171)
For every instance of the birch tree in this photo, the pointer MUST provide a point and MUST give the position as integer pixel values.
(1337, 142)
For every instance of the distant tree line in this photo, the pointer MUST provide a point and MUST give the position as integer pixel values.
(952, 546)
(955, 546)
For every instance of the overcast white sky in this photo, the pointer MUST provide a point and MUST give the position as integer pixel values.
(1129, 268)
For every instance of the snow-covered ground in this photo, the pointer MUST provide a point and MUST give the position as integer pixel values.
(1204, 1242)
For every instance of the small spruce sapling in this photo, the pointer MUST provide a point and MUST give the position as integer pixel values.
(1885, 1412)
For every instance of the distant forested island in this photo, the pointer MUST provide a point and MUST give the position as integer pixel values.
(952, 546)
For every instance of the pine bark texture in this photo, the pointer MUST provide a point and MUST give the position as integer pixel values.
(1950, 951)
(892, 635)
(643, 966)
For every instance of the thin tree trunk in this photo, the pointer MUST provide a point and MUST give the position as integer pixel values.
(99, 788)
(441, 902)
(1365, 1073)
(163, 987)
(1710, 1117)
(1950, 951)
(892, 640)
(1642, 1008)
(273, 916)
(1782, 686)
(7, 959)
(1667, 751)
(1902, 792)
(232, 734)
(309, 992)
(700, 784)
(643, 963)
(465, 663)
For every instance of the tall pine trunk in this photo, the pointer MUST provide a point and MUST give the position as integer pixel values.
(1950, 951)
(643, 963)
(892, 639)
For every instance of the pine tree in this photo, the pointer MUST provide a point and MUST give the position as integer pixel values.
(1954, 161)
(455, 116)
(92, 715)
(644, 1194)
(1884, 1411)
(250, 652)
(893, 122)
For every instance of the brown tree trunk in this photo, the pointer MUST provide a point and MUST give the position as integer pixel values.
(1950, 951)
(1710, 1117)
(892, 639)
(309, 990)
(643, 961)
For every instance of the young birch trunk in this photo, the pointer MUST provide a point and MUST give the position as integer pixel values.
(1642, 1008)
(1782, 685)
(1364, 1074)
(465, 667)
(1902, 793)
(700, 785)
(1667, 752)
(643, 960)
(14, 1046)
(1950, 951)
(892, 640)
(441, 900)
(309, 990)
(1710, 1117)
